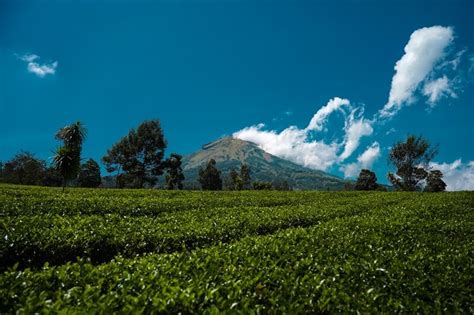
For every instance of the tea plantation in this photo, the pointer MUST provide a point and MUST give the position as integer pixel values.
(103, 251)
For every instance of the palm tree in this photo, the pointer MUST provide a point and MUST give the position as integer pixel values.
(67, 159)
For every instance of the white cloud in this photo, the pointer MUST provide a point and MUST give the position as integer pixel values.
(291, 144)
(319, 119)
(41, 70)
(457, 176)
(436, 89)
(297, 145)
(355, 128)
(426, 47)
(365, 160)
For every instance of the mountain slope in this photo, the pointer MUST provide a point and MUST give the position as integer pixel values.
(232, 153)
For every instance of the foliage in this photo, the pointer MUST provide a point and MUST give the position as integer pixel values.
(67, 159)
(174, 176)
(23, 169)
(235, 180)
(210, 177)
(250, 251)
(262, 186)
(139, 155)
(281, 185)
(411, 158)
(434, 182)
(245, 176)
(367, 180)
(89, 175)
(242, 180)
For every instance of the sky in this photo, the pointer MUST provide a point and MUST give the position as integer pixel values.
(331, 85)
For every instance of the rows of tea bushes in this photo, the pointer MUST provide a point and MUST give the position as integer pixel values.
(21, 201)
(270, 252)
(34, 240)
(414, 257)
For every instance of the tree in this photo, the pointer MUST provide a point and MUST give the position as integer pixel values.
(68, 156)
(52, 177)
(236, 180)
(411, 158)
(174, 176)
(89, 175)
(434, 182)
(24, 169)
(245, 176)
(242, 180)
(116, 158)
(367, 180)
(281, 185)
(210, 177)
(139, 155)
(262, 186)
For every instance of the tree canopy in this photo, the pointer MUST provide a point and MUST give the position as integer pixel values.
(210, 177)
(367, 180)
(411, 158)
(89, 175)
(174, 176)
(138, 157)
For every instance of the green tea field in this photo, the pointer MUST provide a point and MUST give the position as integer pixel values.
(153, 251)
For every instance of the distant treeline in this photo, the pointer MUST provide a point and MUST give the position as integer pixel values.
(137, 160)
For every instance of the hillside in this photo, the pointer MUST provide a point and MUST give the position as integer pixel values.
(231, 153)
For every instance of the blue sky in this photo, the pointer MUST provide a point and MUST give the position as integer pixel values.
(213, 68)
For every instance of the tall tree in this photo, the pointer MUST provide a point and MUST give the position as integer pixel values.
(235, 180)
(174, 176)
(24, 169)
(434, 181)
(245, 176)
(116, 159)
(210, 177)
(89, 175)
(139, 155)
(367, 180)
(411, 158)
(68, 156)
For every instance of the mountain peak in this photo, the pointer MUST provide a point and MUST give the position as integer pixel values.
(230, 153)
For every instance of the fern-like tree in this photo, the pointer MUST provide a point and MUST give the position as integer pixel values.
(411, 158)
(174, 177)
(210, 177)
(67, 159)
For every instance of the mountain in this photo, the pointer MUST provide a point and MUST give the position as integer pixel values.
(232, 153)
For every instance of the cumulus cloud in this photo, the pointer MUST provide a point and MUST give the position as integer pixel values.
(291, 144)
(297, 145)
(426, 48)
(365, 160)
(319, 119)
(438, 88)
(457, 175)
(41, 70)
(356, 127)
